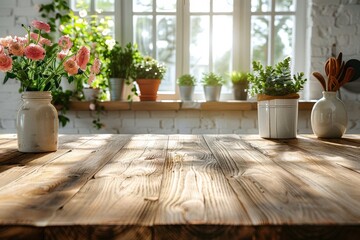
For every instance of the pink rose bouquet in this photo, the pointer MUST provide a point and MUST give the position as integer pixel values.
(40, 64)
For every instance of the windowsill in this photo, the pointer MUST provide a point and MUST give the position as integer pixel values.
(171, 105)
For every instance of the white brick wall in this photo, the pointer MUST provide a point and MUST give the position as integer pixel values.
(333, 21)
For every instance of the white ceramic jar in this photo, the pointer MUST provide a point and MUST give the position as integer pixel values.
(329, 116)
(37, 123)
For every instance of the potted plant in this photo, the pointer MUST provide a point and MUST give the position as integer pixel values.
(240, 85)
(277, 95)
(186, 85)
(212, 86)
(89, 31)
(39, 65)
(120, 61)
(148, 74)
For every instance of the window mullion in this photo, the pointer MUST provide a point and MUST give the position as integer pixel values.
(271, 45)
(242, 35)
(211, 16)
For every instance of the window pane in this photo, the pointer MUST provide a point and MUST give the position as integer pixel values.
(260, 5)
(285, 5)
(78, 5)
(199, 45)
(166, 5)
(199, 6)
(223, 5)
(143, 34)
(104, 5)
(165, 44)
(259, 38)
(142, 5)
(284, 26)
(222, 45)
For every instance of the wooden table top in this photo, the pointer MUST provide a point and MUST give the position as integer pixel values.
(182, 187)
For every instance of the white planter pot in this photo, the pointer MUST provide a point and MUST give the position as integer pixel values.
(37, 123)
(90, 93)
(277, 118)
(116, 86)
(212, 93)
(186, 93)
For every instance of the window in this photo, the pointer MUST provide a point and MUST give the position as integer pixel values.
(197, 36)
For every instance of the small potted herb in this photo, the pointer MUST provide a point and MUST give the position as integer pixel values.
(240, 85)
(212, 86)
(148, 74)
(277, 95)
(186, 85)
(120, 61)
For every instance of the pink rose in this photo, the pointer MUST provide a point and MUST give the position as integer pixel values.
(41, 25)
(21, 40)
(1, 49)
(83, 57)
(16, 49)
(91, 78)
(5, 63)
(95, 68)
(34, 52)
(6, 41)
(42, 41)
(34, 36)
(71, 67)
(45, 41)
(62, 54)
(65, 42)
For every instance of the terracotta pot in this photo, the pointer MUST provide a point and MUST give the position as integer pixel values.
(148, 89)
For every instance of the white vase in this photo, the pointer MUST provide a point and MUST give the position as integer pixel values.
(329, 116)
(37, 123)
(277, 118)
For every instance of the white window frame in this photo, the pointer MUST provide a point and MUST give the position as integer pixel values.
(241, 38)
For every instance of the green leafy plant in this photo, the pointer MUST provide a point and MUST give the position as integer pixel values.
(121, 59)
(186, 80)
(275, 80)
(239, 77)
(148, 68)
(61, 100)
(91, 31)
(212, 79)
(55, 12)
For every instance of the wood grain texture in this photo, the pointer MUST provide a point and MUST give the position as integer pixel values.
(35, 196)
(278, 185)
(194, 189)
(125, 191)
(182, 187)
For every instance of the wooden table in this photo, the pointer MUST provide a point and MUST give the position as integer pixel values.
(182, 187)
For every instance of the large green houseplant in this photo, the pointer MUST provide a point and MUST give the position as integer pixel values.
(212, 84)
(148, 73)
(120, 61)
(277, 95)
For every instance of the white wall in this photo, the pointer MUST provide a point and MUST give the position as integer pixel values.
(333, 21)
